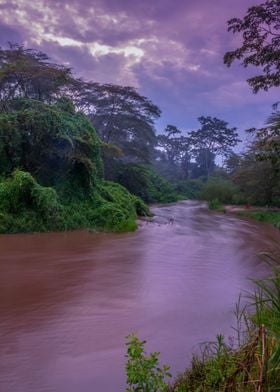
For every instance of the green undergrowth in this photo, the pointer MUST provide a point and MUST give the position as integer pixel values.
(144, 182)
(248, 362)
(26, 206)
(216, 205)
(51, 173)
(264, 216)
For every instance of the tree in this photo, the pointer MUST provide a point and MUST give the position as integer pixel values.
(260, 30)
(175, 150)
(267, 142)
(256, 180)
(232, 163)
(214, 138)
(52, 142)
(204, 163)
(121, 117)
(28, 73)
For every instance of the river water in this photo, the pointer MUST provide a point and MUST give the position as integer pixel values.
(67, 300)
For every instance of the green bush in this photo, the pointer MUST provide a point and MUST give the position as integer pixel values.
(143, 371)
(216, 188)
(144, 182)
(264, 216)
(60, 185)
(214, 204)
(189, 189)
(27, 206)
(249, 363)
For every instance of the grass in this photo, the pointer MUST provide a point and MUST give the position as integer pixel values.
(215, 204)
(26, 206)
(250, 362)
(272, 217)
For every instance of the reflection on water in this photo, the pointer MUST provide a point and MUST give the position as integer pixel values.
(67, 300)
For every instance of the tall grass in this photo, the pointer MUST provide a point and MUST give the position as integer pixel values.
(251, 361)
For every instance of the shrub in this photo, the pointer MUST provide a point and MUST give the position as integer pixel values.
(214, 204)
(57, 147)
(220, 189)
(253, 362)
(143, 371)
(26, 206)
(189, 189)
(144, 182)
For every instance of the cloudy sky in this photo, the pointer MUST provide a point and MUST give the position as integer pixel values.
(171, 50)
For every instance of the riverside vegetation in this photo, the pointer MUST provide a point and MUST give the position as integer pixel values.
(59, 185)
(250, 362)
(78, 154)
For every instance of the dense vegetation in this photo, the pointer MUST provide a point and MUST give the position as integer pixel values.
(62, 138)
(47, 138)
(52, 172)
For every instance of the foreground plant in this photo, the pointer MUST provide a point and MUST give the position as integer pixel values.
(143, 371)
(249, 363)
(252, 363)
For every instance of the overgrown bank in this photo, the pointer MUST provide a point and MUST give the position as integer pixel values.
(272, 217)
(250, 362)
(59, 185)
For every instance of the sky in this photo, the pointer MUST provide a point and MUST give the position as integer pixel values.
(170, 50)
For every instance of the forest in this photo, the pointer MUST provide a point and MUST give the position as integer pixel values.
(81, 154)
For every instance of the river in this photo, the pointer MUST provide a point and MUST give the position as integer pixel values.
(67, 300)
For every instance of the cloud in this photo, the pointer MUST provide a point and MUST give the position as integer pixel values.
(171, 50)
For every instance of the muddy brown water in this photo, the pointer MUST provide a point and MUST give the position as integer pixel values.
(67, 300)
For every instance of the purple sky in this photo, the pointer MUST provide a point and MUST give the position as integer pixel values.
(171, 50)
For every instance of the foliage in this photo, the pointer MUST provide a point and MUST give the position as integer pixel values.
(267, 141)
(257, 181)
(28, 73)
(181, 157)
(264, 216)
(267, 303)
(232, 163)
(189, 189)
(251, 362)
(117, 211)
(215, 204)
(49, 142)
(143, 371)
(175, 150)
(219, 189)
(140, 207)
(212, 139)
(27, 206)
(144, 182)
(121, 116)
(261, 44)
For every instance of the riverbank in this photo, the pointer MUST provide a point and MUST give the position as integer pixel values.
(70, 298)
(248, 362)
(261, 214)
(251, 361)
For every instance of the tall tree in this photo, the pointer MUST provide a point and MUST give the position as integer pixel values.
(214, 138)
(28, 73)
(267, 141)
(121, 117)
(260, 29)
(175, 149)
